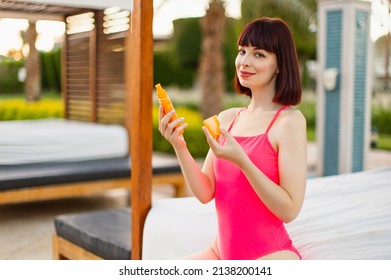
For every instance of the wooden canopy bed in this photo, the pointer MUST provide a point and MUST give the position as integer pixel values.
(98, 66)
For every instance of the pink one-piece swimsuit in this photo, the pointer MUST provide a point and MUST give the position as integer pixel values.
(247, 229)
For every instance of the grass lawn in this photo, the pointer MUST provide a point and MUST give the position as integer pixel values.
(384, 142)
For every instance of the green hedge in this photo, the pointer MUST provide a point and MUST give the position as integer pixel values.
(308, 108)
(9, 82)
(167, 72)
(381, 118)
(51, 70)
(16, 109)
(50, 73)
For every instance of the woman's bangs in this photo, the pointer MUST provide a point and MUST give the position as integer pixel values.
(257, 37)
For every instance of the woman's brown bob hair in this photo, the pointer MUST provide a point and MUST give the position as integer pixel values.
(273, 35)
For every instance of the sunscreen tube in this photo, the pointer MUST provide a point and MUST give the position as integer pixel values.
(165, 102)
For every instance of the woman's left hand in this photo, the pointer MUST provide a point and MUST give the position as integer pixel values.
(231, 151)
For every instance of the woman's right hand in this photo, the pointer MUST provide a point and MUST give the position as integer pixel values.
(170, 130)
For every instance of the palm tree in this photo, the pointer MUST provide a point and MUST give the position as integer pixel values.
(32, 85)
(211, 64)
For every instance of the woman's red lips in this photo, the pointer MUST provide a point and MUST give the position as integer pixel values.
(245, 74)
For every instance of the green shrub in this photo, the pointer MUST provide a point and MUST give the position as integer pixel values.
(9, 76)
(51, 70)
(167, 71)
(381, 114)
(186, 42)
(308, 108)
(16, 109)
(50, 73)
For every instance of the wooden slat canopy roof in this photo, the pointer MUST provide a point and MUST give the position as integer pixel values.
(55, 9)
(42, 8)
(55, 6)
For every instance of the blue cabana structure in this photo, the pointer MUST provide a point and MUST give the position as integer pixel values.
(343, 86)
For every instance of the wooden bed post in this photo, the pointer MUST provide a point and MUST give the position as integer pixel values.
(92, 68)
(140, 98)
(64, 80)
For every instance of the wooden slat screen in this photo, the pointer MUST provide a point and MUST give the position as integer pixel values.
(110, 77)
(95, 65)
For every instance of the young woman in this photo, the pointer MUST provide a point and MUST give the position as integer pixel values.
(256, 170)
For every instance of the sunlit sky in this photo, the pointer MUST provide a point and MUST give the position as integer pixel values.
(186, 8)
(52, 31)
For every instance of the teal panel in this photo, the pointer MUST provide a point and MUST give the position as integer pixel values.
(360, 71)
(332, 98)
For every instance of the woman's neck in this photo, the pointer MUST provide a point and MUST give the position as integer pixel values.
(263, 100)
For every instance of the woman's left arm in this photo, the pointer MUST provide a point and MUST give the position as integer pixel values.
(284, 200)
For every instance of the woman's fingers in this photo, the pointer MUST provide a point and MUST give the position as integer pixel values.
(212, 142)
(207, 134)
(225, 133)
(161, 115)
(173, 126)
(164, 120)
(170, 128)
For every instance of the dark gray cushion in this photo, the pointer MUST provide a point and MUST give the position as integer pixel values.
(30, 175)
(104, 233)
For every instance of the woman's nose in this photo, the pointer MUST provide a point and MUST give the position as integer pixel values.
(244, 60)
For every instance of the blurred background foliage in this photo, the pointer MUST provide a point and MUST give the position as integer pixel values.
(176, 62)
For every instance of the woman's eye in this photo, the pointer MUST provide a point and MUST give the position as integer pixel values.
(259, 55)
(241, 52)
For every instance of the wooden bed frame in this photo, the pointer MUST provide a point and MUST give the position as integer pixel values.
(68, 190)
(65, 250)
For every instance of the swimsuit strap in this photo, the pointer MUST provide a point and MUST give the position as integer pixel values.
(275, 117)
(236, 118)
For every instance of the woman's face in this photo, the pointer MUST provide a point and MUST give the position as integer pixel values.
(255, 68)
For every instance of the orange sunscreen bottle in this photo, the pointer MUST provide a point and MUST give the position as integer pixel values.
(165, 102)
(213, 125)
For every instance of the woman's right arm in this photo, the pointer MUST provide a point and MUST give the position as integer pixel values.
(200, 181)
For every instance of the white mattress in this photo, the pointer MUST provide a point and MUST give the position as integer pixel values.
(58, 140)
(343, 217)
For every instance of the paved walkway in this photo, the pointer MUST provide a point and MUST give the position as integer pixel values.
(26, 229)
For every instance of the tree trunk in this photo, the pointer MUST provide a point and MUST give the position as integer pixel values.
(211, 69)
(32, 85)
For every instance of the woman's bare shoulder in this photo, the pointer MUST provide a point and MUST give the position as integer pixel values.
(292, 118)
(227, 116)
